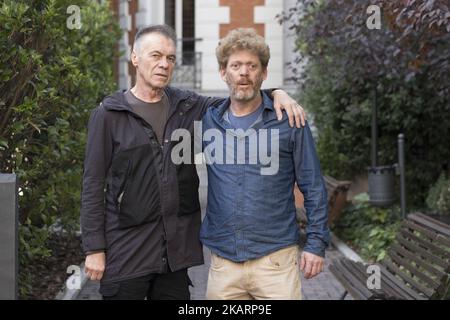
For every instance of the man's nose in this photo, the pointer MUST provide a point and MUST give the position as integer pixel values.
(243, 70)
(164, 63)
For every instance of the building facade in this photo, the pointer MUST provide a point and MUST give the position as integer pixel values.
(199, 25)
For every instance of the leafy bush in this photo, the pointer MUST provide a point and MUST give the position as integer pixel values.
(51, 76)
(407, 62)
(438, 198)
(368, 229)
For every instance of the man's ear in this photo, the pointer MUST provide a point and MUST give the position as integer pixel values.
(134, 58)
(264, 73)
(223, 72)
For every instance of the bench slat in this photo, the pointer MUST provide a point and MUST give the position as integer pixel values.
(399, 286)
(395, 248)
(390, 289)
(333, 183)
(433, 221)
(346, 265)
(433, 235)
(407, 264)
(395, 270)
(430, 223)
(420, 251)
(350, 283)
(439, 252)
(358, 270)
(416, 267)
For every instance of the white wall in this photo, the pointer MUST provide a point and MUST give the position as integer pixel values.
(274, 38)
(125, 25)
(208, 16)
(149, 12)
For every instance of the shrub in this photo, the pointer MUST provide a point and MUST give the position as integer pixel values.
(438, 198)
(407, 62)
(368, 229)
(50, 78)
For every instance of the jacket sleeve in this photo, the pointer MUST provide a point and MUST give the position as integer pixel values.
(99, 150)
(310, 182)
(206, 102)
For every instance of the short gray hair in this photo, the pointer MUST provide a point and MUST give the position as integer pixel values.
(163, 29)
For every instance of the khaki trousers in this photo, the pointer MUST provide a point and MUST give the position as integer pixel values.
(274, 276)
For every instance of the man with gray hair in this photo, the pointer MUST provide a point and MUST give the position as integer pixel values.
(250, 223)
(140, 212)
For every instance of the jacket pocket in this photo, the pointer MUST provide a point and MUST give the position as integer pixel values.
(125, 183)
(138, 202)
(188, 184)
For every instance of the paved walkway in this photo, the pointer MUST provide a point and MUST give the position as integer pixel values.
(322, 287)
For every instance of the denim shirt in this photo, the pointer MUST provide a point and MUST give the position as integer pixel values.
(251, 209)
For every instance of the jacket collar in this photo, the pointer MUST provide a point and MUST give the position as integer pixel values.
(118, 102)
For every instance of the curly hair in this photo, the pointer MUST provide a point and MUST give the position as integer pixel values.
(242, 39)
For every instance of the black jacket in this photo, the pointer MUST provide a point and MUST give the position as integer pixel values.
(137, 205)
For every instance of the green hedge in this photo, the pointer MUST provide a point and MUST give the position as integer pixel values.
(51, 76)
(407, 60)
(368, 229)
(438, 199)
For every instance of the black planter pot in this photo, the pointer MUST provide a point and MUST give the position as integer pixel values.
(381, 185)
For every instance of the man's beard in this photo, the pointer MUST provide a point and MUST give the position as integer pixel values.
(245, 95)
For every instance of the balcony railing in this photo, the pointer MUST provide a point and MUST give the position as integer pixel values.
(187, 73)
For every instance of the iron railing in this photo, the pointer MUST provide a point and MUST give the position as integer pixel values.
(187, 73)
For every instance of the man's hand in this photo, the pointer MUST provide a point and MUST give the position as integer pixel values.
(282, 101)
(94, 265)
(311, 265)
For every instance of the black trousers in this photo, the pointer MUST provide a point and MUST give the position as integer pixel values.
(166, 286)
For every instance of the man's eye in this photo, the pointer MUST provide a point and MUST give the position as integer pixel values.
(172, 59)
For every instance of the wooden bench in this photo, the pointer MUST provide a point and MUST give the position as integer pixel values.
(337, 198)
(416, 267)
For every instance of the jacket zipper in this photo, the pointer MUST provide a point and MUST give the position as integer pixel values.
(164, 143)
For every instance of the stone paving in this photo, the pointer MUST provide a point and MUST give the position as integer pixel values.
(322, 287)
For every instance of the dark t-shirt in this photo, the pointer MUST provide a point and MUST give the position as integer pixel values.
(244, 122)
(154, 113)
